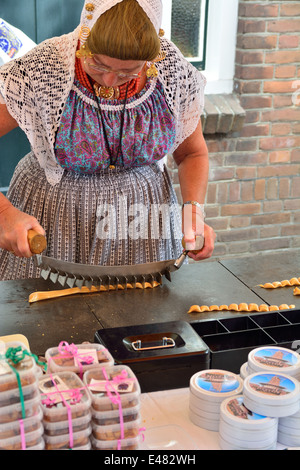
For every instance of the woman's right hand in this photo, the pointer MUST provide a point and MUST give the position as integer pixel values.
(14, 226)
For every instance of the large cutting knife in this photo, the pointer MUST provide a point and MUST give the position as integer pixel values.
(79, 275)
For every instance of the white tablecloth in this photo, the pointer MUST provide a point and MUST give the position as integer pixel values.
(165, 416)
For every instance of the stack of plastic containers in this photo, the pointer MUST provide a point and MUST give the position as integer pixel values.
(77, 358)
(275, 395)
(274, 359)
(20, 414)
(208, 388)
(116, 420)
(66, 411)
(240, 429)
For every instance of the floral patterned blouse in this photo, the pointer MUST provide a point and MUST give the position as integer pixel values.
(148, 130)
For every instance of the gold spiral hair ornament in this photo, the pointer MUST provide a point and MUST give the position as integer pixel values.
(83, 36)
(84, 33)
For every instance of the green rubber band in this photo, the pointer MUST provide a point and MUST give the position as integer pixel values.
(13, 355)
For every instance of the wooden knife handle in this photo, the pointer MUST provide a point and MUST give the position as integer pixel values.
(199, 241)
(37, 242)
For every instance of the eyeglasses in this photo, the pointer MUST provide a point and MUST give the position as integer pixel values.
(103, 69)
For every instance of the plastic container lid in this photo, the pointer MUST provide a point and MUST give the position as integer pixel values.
(12, 396)
(288, 439)
(234, 412)
(215, 415)
(208, 424)
(80, 438)
(104, 418)
(13, 428)
(288, 430)
(39, 446)
(78, 358)
(15, 443)
(117, 431)
(269, 410)
(108, 385)
(205, 405)
(15, 412)
(225, 445)
(272, 389)
(291, 421)
(244, 370)
(62, 427)
(266, 443)
(118, 444)
(26, 369)
(274, 359)
(215, 384)
(251, 435)
(63, 391)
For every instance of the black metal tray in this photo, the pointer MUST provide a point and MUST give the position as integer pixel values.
(157, 366)
(231, 339)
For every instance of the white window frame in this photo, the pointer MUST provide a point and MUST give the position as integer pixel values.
(220, 46)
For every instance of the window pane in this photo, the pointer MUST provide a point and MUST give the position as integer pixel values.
(188, 28)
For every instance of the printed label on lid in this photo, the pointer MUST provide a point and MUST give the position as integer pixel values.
(9, 42)
(275, 358)
(236, 408)
(274, 385)
(217, 381)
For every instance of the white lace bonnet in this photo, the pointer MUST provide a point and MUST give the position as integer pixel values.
(92, 10)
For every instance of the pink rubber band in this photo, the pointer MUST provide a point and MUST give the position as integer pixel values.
(22, 433)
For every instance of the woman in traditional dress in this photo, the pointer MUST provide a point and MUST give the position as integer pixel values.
(102, 106)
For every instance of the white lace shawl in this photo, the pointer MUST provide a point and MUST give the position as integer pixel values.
(35, 89)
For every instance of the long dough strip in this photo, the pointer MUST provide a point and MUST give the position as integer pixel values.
(44, 295)
(239, 308)
(295, 281)
(296, 291)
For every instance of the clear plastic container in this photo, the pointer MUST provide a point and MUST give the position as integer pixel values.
(105, 418)
(14, 412)
(62, 427)
(116, 431)
(39, 446)
(88, 356)
(81, 438)
(120, 379)
(13, 428)
(121, 444)
(10, 397)
(26, 369)
(72, 395)
(15, 443)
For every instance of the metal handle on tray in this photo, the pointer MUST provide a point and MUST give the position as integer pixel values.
(166, 343)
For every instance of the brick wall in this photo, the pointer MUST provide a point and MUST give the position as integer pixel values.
(253, 198)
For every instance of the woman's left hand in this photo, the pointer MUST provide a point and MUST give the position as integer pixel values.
(208, 245)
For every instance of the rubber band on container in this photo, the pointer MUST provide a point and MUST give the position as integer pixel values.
(22, 434)
(65, 348)
(116, 400)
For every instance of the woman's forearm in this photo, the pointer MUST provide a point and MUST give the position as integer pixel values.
(193, 178)
(193, 165)
(4, 203)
